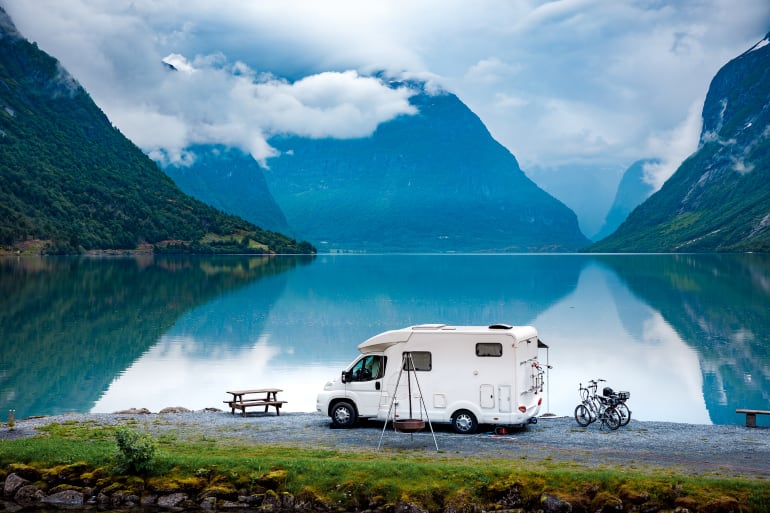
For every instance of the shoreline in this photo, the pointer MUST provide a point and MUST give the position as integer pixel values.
(692, 449)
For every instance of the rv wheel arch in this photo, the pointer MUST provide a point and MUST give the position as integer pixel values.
(464, 422)
(343, 414)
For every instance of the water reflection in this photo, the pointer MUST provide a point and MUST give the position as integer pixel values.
(687, 335)
(603, 331)
(720, 306)
(69, 326)
(329, 307)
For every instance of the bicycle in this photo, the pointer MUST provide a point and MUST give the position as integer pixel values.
(619, 398)
(595, 407)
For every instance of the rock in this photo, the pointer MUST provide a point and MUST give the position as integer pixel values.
(173, 500)
(64, 498)
(149, 500)
(133, 411)
(209, 503)
(408, 507)
(12, 483)
(174, 409)
(553, 504)
(28, 495)
(102, 499)
(234, 505)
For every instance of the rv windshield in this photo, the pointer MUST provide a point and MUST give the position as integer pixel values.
(368, 368)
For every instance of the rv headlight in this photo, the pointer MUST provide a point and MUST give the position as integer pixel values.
(328, 385)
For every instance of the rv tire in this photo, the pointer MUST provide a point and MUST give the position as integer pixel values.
(343, 415)
(464, 422)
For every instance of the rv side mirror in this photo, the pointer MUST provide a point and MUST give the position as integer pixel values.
(345, 377)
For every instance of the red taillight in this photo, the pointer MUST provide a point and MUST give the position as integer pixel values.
(522, 409)
(540, 401)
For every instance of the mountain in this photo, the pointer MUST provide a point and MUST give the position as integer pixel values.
(70, 182)
(434, 181)
(632, 191)
(232, 181)
(719, 198)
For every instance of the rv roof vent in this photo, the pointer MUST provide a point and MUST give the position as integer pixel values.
(500, 327)
(428, 326)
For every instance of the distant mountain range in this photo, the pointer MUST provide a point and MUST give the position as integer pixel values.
(70, 182)
(719, 198)
(632, 191)
(435, 181)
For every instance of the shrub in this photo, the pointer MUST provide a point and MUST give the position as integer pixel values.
(136, 450)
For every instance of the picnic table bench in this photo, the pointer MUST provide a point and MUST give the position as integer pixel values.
(243, 399)
(751, 415)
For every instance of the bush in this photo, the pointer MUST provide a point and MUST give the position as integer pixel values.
(136, 450)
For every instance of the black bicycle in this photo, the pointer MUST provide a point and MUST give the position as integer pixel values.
(595, 407)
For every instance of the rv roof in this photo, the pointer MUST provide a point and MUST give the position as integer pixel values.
(384, 340)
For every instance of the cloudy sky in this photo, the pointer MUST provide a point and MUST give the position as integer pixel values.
(589, 85)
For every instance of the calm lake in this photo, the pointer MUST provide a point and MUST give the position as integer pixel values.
(687, 335)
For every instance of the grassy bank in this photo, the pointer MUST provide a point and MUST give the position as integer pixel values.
(352, 480)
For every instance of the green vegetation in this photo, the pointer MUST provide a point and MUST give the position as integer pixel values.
(361, 479)
(135, 450)
(70, 182)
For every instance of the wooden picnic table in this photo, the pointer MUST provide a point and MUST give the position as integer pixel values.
(266, 397)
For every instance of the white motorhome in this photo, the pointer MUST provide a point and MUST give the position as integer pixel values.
(462, 375)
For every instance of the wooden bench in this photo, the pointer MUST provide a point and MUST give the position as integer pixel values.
(751, 416)
(266, 397)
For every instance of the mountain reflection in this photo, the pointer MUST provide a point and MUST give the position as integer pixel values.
(718, 304)
(71, 325)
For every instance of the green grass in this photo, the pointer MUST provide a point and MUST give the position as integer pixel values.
(357, 478)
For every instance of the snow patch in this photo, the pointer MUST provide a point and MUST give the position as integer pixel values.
(759, 45)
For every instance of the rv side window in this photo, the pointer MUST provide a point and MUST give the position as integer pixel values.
(422, 361)
(489, 349)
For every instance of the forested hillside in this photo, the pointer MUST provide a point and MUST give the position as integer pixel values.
(70, 182)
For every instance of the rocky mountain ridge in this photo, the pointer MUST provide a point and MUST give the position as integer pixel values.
(719, 198)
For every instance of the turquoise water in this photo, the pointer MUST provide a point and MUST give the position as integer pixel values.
(687, 335)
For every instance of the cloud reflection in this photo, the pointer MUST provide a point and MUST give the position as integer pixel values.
(173, 373)
(590, 339)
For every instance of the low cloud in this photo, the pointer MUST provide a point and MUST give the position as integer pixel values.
(673, 146)
(210, 101)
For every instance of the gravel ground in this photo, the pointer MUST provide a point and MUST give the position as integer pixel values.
(681, 448)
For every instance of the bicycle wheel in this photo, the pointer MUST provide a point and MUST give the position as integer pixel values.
(611, 418)
(582, 415)
(625, 413)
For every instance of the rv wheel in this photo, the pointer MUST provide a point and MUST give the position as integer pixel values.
(343, 415)
(464, 422)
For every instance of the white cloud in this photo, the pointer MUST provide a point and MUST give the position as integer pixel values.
(673, 146)
(557, 82)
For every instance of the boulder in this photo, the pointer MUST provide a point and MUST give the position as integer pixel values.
(12, 483)
(64, 498)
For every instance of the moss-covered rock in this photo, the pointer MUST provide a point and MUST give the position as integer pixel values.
(25, 471)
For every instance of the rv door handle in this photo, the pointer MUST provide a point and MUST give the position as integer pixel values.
(376, 385)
